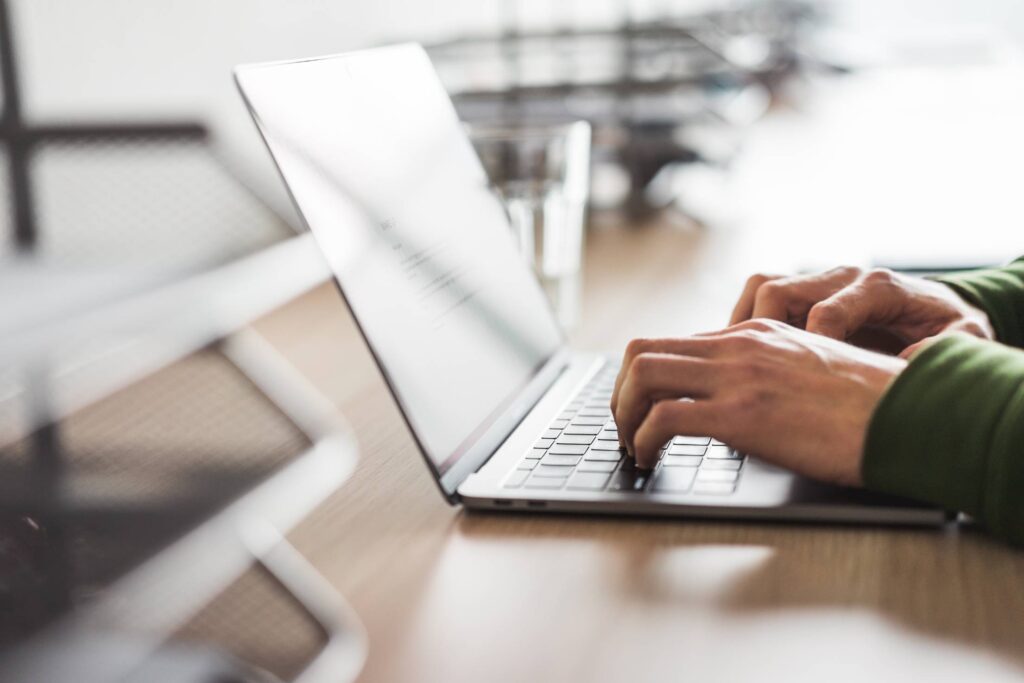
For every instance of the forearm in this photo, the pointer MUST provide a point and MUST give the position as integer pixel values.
(950, 431)
(1000, 293)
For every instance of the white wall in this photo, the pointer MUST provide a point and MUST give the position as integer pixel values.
(158, 56)
(165, 58)
(173, 56)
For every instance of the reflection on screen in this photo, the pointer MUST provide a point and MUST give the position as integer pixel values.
(383, 174)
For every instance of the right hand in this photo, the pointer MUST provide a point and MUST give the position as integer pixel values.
(845, 303)
(795, 399)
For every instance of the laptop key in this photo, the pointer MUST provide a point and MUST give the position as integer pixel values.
(603, 456)
(686, 450)
(681, 460)
(721, 452)
(592, 421)
(629, 480)
(554, 460)
(722, 464)
(597, 466)
(559, 424)
(551, 434)
(575, 439)
(582, 429)
(589, 481)
(536, 482)
(605, 446)
(536, 453)
(595, 412)
(516, 479)
(554, 471)
(543, 443)
(692, 440)
(527, 464)
(567, 449)
(674, 479)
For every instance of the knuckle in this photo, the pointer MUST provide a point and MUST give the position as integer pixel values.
(751, 339)
(823, 313)
(761, 325)
(637, 346)
(771, 290)
(741, 342)
(644, 368)
(880, 276)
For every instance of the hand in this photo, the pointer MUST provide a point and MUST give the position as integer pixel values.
(798, 400)
(846, 303)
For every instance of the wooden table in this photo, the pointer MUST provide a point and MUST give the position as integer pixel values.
(448, 595)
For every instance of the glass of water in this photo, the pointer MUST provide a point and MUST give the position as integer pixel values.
(541, 172)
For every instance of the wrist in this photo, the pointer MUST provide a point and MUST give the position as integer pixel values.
(875, 377)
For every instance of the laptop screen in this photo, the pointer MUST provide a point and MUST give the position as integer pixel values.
(382, 172)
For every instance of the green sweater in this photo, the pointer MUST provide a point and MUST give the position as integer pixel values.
(950, 428)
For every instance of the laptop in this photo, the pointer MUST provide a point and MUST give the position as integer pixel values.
(506, 415)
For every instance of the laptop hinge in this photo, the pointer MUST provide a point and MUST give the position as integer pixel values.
(502, 427)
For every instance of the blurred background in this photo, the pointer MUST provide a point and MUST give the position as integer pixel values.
(677, 92)
(142, 224)
(677, 84)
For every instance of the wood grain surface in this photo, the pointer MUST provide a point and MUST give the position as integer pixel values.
(448, 595)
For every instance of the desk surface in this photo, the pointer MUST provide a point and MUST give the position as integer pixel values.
(455, 596)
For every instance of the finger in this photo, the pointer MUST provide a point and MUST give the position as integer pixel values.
(969, 326)
(841, 314)
(744, 308)
(686, 346)
(668, 418)
(790, 298)
(853, 307)
(962, 326)
(906, 353)
(654, 377)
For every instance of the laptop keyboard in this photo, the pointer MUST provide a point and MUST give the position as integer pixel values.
(580, 451)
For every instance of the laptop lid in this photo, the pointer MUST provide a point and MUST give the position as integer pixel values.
(383, 174)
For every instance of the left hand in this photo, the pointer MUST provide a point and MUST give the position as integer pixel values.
(795, 399)
(876, 309)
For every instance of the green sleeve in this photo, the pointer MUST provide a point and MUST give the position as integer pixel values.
(1000, 293)
(950, 431)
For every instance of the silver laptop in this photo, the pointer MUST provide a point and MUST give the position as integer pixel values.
(506, 416)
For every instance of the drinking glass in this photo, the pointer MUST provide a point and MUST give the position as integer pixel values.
(541, 172)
